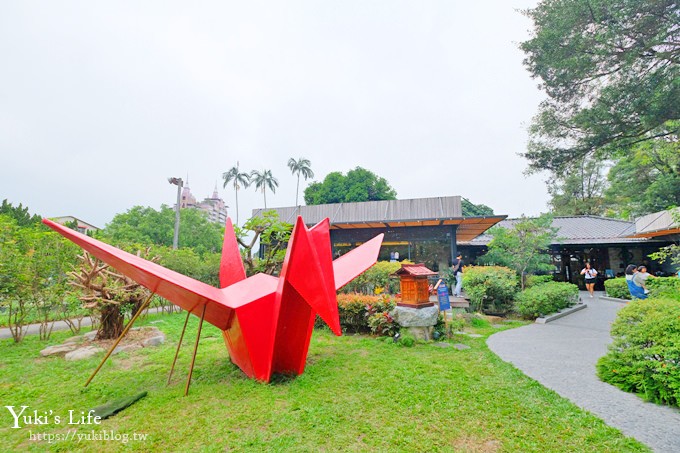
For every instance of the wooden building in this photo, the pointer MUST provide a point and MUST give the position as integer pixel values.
(423, 230)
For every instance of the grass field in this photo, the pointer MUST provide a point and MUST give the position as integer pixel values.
(357, 394)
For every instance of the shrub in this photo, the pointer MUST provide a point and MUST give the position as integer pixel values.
(645, 354)
(664, 288)
(490, 288)
(376, 279)
(407, 341)
(356, 310)
(545, 299)
(617, 287)
(533, 280)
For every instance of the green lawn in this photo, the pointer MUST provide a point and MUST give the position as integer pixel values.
(358, 394)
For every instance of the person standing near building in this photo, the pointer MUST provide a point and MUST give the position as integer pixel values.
(590, 275)
(457, 270)
(641, 276)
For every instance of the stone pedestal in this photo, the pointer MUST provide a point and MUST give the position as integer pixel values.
(418, 322)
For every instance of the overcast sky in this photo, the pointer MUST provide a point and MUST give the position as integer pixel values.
(100, 102)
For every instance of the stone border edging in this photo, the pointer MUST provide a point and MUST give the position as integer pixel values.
(615, 299)
(562, 313)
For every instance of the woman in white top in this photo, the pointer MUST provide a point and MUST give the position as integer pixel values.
(591, 275)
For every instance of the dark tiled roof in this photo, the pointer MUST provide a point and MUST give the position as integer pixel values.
(581, 230)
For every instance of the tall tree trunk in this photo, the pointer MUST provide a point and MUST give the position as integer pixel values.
(297, 190)
(237, 206)
(264, 193)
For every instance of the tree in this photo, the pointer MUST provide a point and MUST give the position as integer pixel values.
(475, 210)
(146, 226)
(358, 185)
(579, 190)
(238, 179)
(524, 247)
(109, 293)
(300, 167)
(647, 181)
(20, 214)
(671, 253)
(262, 181)
(610, 70)
(33, 268)
(273, 235)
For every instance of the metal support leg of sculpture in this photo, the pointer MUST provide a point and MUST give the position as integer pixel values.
(179, 345)
(193, 358)
(125, 331)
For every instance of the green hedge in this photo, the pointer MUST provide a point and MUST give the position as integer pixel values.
(664, 287)
(533, 280)
(490, 288)
(617, 287)
(545, 299)
(645, 355)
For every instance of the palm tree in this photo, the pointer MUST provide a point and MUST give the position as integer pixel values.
(302, 167)
(239, 180)
(264, 180)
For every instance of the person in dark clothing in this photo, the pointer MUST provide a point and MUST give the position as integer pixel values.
(457, 269)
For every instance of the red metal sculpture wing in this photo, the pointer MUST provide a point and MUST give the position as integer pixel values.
(231, 265)
(353, 263)
(179, 289)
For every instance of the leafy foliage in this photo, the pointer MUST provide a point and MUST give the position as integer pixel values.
(376, 279)
(20, 214)
(617, 287)
(359, 185)
(580, 190)
(360, 313)
(146, 226)
(645, 355)
(646, 181)
(273, 235)
(545, 299)
(491, 288)
(664, 288)
(475, 210)
(533, 280)
(670, 253)
(522, 248)
(610, 70)
(262, 181)
(33, 266)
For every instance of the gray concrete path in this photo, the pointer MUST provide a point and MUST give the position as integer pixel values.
(34, 329)
(562, 355)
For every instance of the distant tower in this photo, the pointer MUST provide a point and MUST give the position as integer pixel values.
(187, 200)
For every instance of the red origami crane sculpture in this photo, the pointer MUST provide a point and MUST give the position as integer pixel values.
(266, 321)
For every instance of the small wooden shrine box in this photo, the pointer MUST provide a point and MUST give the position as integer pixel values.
(415, 291)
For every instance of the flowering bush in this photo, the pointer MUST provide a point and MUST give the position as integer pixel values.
(645, 354)
(360, 313)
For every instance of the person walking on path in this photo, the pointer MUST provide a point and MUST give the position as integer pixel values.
(457, 270)
(591, 276)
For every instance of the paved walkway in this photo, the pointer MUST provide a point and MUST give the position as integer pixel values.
(34, 329)
(562, 355)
